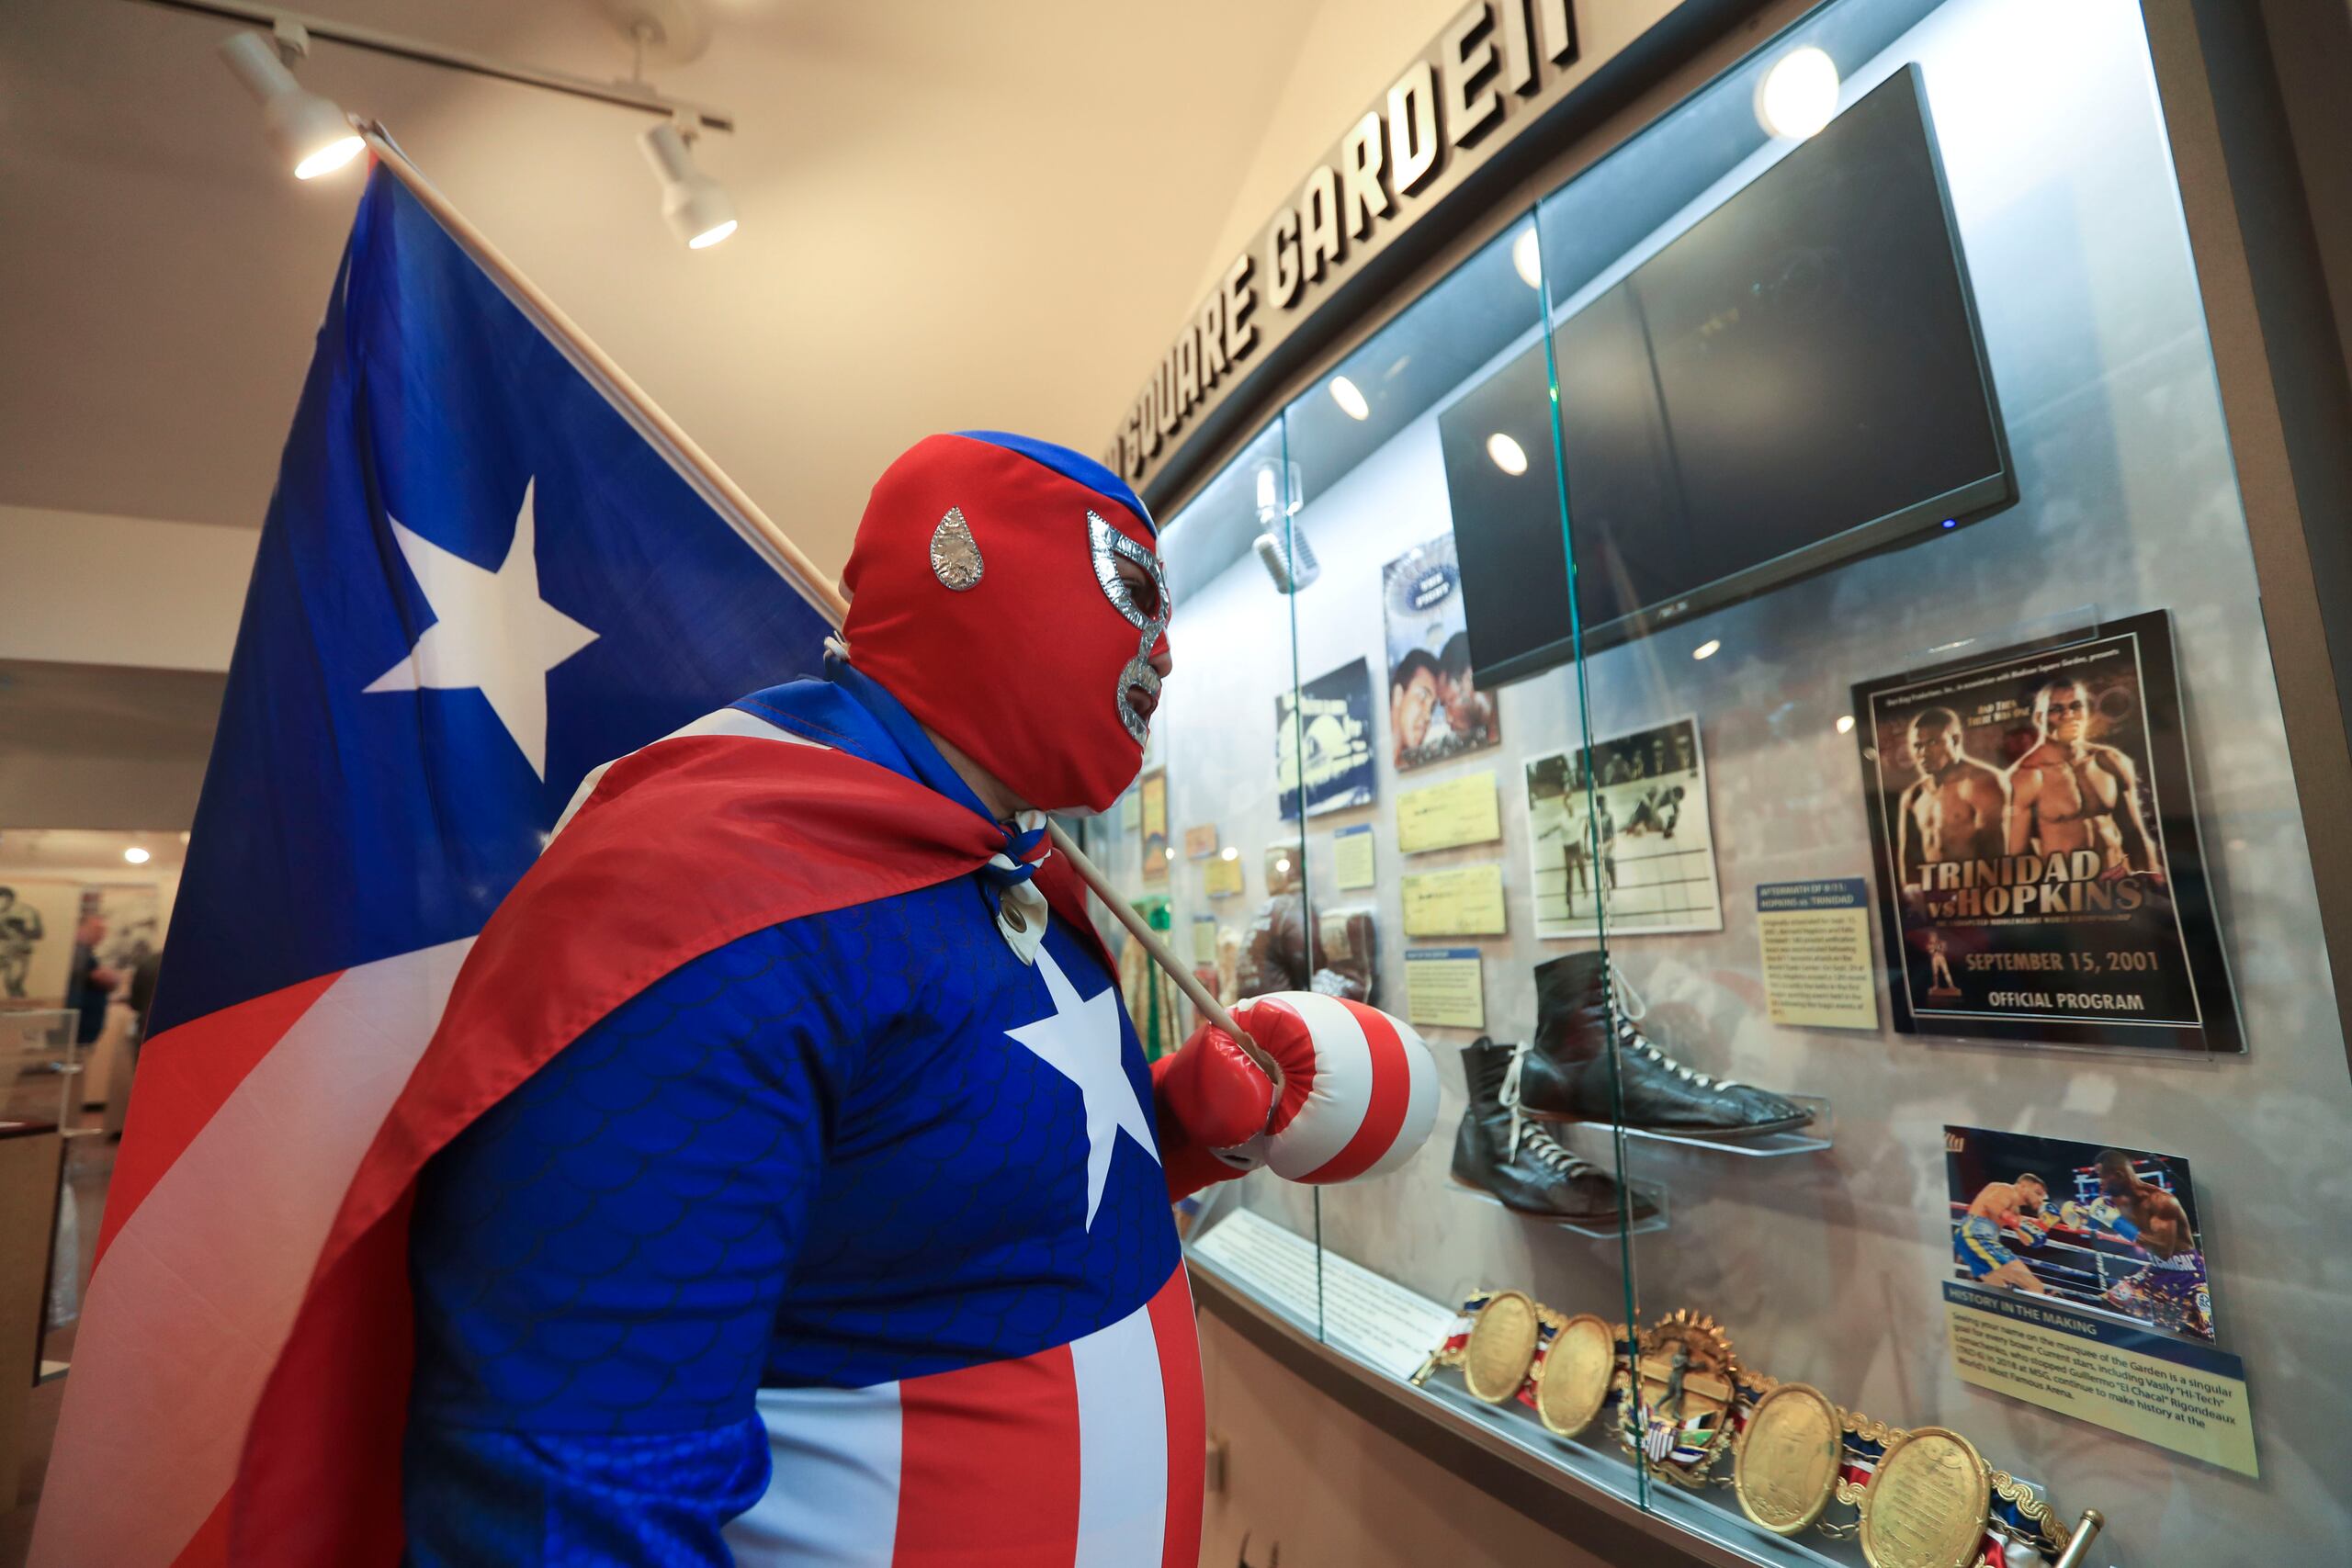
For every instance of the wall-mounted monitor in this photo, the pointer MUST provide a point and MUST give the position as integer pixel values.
(1794, 380)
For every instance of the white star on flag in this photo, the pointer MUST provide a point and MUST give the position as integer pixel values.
(491, 632)
(1081, 1041)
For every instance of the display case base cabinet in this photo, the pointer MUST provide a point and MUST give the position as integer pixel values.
(1333, 1463)
(30, 1169)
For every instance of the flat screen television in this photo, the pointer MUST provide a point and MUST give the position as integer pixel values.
(1795, 381)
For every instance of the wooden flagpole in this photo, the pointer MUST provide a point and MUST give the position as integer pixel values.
(819, 589)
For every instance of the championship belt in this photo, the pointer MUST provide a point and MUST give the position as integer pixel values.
(1681, 1397)
(1500, 1346)
(1574, 1373)
(1510, 1345)
(1493, 1340)
(1787, 1457)
(1926, 1499)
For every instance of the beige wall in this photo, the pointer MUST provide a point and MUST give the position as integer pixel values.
(1351, 52)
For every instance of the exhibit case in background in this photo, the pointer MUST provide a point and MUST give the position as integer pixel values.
(1761, 662)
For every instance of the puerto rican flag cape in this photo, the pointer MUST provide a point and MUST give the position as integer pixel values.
(477, 582)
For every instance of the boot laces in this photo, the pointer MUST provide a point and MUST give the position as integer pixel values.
(1510, 1097)
(1544, 1149)
(1555, 1155)
(1629, 1008)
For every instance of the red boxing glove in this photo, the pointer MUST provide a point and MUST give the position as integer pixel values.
(1359, 1096)
(1208, 1095)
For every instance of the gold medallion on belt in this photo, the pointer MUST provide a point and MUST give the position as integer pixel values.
(1501, 1347)
(1573, 1383)
(1786, 1465)
(1929, 1504)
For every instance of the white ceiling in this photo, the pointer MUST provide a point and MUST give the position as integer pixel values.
(956, 213)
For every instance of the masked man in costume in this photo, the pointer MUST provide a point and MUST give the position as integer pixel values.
(786, 1183)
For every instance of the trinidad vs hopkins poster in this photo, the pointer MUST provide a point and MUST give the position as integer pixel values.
(2040, 875)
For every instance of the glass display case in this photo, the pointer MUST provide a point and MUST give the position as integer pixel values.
(1762, 665)
(45, 1066)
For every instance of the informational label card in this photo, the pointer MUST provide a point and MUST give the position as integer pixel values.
(1443, 816)
(1373, 1318)
(1817, 943)
(1463, 901)
(1444, 986)
(1276, 1265)
(1200, 843)
(1352, 856)
(2189, 1398)
(1131, 809)
(1205, 939)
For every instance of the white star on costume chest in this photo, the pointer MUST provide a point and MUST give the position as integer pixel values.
(490, 633)
(1081, 1041)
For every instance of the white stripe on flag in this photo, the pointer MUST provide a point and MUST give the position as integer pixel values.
(1122, 1445)
(198, 1291)
(832, 1497)
(726, 721)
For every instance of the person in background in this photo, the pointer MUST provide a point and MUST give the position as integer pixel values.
(93, 985)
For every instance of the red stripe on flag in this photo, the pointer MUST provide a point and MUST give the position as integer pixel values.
(208, 1547)
(1392, 1095)
(987, 1468)
(1173, 1330)
(187, 1074)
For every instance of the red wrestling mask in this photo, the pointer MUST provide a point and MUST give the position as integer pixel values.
(987, 593)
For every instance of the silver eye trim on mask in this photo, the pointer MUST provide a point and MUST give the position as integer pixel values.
(1139, 673)
(1106, 544)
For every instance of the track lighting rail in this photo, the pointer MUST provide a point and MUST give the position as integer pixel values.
(622, 95)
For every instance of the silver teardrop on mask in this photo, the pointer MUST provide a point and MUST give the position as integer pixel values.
(955, 554)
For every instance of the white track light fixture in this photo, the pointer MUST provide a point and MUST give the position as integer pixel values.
(313, 136)
(697, 206)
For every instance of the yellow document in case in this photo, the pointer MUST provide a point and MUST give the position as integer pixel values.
(1222, 876)
(1352, 856)
(1463, 901)
(1442, 816)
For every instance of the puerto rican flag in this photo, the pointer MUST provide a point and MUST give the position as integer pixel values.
(477, 580)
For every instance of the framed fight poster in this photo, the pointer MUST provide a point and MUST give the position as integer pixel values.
(2040, 871)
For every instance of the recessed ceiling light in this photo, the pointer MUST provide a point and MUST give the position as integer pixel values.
(1508, 454)
(1527, 255)
(1233, 855)
(1799, 95)
(1350, 398)
(1845, 724)
(1707, 650)
(135, 855)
